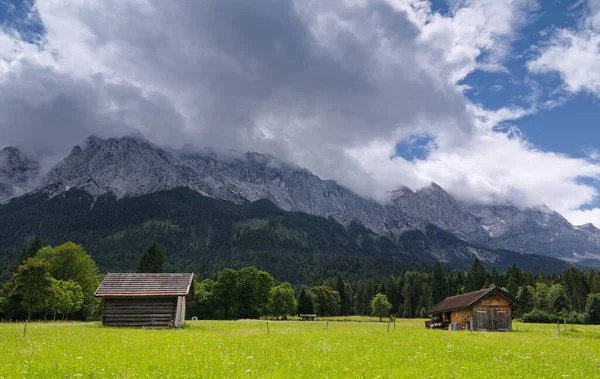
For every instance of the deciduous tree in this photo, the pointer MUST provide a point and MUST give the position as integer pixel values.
(70, 261)
(33, 284)
(282, 300)
(380, 306)
(67, 297)
(327, 301)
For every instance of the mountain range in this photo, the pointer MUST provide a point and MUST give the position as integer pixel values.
(127, 168)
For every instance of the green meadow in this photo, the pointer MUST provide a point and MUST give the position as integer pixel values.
(294, 349)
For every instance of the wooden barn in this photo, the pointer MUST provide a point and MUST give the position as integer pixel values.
(150, 300)
(488, 309)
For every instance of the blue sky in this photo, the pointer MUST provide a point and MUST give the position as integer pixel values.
(17, 15)
(496, 101)
(572, 128)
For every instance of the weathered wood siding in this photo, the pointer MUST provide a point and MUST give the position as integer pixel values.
(494, 299)
(493, 313)
(146, 311)
(461, 317)
(180, 313)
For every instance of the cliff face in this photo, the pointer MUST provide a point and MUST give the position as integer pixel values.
(131, 167)
(18, 173)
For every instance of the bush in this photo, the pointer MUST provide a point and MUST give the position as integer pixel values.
(575, 318)
(544, 317)
(540, 316)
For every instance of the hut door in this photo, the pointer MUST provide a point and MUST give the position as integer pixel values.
(481, 320)
(501, 318)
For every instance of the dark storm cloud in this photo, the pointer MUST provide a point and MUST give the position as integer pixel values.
(229, 63)
(303, 80)
(45, 110)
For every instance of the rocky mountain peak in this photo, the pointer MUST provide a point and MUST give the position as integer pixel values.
(18, 173)
(132, 166)
(588, 227)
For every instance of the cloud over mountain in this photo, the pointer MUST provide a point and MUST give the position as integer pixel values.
(334, 86)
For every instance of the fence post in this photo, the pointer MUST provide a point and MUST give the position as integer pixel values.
(558, 327)
(268, 327)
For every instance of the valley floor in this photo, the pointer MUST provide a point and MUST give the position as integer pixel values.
(294, 349)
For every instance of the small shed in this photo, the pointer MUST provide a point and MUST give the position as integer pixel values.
(308, 316)
(151, 300)
(487, 309)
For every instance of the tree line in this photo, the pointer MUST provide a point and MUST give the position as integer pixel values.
(61, 280)
(251, 293)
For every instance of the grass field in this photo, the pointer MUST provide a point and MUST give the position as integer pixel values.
(243, 349)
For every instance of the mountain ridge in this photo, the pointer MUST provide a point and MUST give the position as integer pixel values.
(133, 166)
(203, 235)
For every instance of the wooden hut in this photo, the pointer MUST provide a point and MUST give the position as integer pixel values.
(308, 316)
(487, 309)
(151, 300)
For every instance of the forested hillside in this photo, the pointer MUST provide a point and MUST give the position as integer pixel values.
(204, 235)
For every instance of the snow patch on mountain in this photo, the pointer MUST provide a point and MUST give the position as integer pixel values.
(132, 166)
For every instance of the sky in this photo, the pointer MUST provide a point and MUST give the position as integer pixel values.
(496, 101)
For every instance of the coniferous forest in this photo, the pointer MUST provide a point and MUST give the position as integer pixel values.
(204, 235)
(48, 281)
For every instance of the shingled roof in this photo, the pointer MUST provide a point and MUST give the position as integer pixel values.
(133, 285)
(467, 300)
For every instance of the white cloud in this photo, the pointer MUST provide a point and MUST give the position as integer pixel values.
(581, 217)
(574, 54)
(330, 85)
(593, 154)
(497, 88)
(491, 168)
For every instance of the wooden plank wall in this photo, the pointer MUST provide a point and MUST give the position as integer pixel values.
(491, 305)
(462, 316)
(155, 312)
(498, 310)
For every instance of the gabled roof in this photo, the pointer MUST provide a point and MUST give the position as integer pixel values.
(468, 299)
(133, 285)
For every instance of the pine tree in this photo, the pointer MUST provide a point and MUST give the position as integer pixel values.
(153, 259)
(306, 304)
(592, 309)
(439, 284)
(527, 297)
(576, 289)
(595, 286)
(340, 286)
(477, 276)
(495, 278)
(29, 250)
(514, 279)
